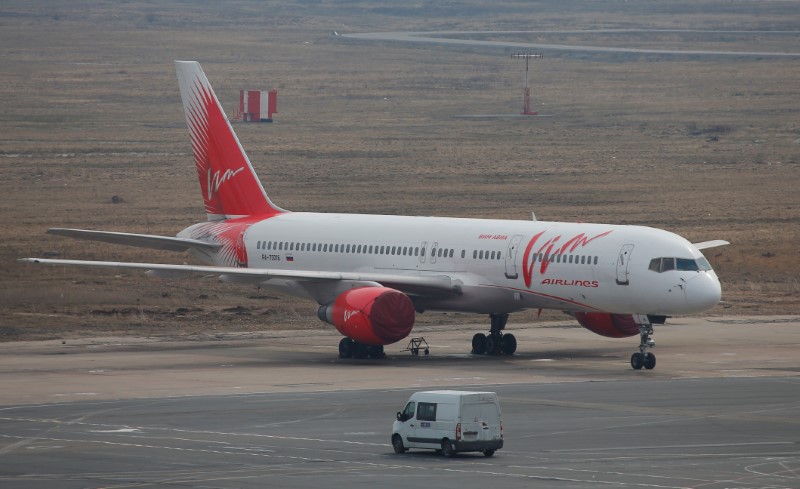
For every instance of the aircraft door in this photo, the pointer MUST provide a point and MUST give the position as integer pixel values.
(241, 251)
(511, 257)
(623, 262)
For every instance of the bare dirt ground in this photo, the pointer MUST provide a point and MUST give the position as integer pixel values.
(707, 148)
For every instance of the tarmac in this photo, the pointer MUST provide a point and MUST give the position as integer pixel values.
(279, 409)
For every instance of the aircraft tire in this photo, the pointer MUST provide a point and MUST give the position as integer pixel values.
(508, 344)
(376, 351)
(360, 350)
(493, 344)
(637, 361)
(479, 344)
(649, 361)
(346, 348)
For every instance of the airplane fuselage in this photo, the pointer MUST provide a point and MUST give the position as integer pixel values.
(503, 266)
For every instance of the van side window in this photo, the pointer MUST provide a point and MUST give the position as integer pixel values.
(408, 412)
(426, 411)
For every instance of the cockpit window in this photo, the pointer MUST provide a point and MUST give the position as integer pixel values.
(682, 264)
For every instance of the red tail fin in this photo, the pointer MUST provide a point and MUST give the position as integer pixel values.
(230, 186)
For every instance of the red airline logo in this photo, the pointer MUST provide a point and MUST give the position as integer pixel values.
(550, 247)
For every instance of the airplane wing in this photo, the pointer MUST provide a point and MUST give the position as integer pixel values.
(710, 244)
(140, 240)
(406, 283)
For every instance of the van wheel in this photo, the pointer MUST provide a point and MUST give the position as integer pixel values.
(397, 444)
(488, 453)
(447, 448)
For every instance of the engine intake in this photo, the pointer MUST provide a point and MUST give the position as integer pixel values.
(371, 315)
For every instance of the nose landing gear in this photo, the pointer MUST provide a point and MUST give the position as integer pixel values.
(644, 358)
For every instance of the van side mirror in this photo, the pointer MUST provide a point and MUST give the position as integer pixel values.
(401, 417)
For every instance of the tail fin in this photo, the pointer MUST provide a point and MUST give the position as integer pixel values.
(229, 184)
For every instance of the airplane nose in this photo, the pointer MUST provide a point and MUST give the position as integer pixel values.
(703, 292)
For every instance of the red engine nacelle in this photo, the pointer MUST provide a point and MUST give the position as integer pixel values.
(371, 315)
(606, 324)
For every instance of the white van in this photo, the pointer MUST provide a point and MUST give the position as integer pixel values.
(450, 422)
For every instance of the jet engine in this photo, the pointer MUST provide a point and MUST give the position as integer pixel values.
(606, 324)
(371, 315)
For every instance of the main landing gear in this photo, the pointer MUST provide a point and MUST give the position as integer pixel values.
(349, 348)
(644, 358)
(496, 343)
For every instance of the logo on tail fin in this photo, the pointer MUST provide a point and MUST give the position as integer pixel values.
(215, 181)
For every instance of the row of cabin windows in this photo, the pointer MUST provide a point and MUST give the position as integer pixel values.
(413, 251)
(352, 248)
(560, 258)
(485, 255)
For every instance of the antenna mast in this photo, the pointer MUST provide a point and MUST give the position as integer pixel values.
(526, 110)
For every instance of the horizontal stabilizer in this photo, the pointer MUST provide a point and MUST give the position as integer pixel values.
(710, 244)
(140, 240)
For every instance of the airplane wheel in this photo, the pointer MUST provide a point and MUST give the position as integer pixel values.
(479, 344)
(359, 350)
(375, 351)
(637, 361)
(493, 344)
(649, 361)
(346, 348)
(508, 344)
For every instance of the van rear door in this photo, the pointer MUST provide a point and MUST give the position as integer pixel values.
(480, 422)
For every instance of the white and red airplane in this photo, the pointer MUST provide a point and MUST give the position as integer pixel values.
(371, 274)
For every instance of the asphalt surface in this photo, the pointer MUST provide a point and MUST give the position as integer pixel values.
(258, 412)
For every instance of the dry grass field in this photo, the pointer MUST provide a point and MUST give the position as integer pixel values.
(705, 147)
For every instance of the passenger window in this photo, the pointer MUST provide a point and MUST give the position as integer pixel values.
(595, 260)
(480, 254)
(426, 411)
(474, 254)
(492, 255)
(439, 252)
(583, 259)
(451, 253)
(463, 253)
